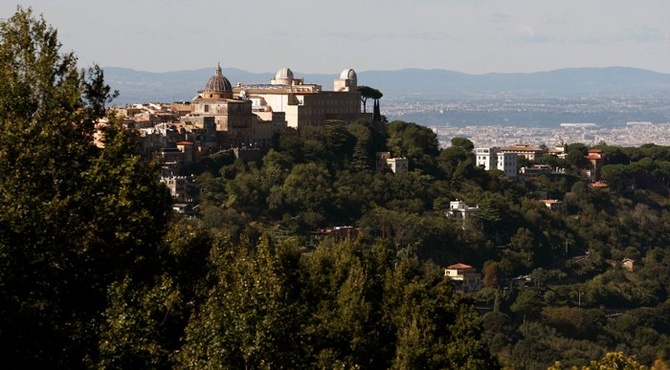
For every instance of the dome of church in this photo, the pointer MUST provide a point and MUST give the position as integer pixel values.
(218, 82)
(284, 73)
(348, 74)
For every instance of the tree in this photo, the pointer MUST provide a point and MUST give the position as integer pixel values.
(304, 196)
(330, 144)
(363, 156)
(417, 143)
(402, 228)
(575, 155)
(76, 218)
(343, 284)
(523, 242)
(490, 212)
(575, 322)
(539, 277)
(457, 159)
(352, 196)
(433, 330)
(491, 272)
(499, 332)
(618, 176)
(251, 310)
(612, 360)
(376, 114)
(463, 143)
(368, 92)
(527, 303)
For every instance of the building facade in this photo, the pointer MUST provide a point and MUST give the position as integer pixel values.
(232, 117)
(459, 211)
(597, 159)
(486, 158)
(304, 104)
(530, 152)
(495, 158)
(467, 278)
(236, 123)
(507, 162)
(395, 165)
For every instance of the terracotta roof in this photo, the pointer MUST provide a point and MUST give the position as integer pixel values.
(459, 266)
(523, 147)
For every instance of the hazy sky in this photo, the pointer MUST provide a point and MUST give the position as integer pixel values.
(319, 36)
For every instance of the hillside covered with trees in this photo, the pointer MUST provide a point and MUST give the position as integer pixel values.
(98, 272)
(578, 302)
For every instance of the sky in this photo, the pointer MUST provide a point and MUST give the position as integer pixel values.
(328, 36)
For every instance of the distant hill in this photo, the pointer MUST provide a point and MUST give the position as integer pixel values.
(569, 81)
(137, 86)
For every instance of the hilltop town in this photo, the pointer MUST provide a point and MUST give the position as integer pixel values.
(245, 115)
(245, 118)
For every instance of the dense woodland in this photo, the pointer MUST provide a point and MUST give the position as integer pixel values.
(96, 271)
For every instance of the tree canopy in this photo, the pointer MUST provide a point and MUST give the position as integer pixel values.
(368, 92)
(75, 218)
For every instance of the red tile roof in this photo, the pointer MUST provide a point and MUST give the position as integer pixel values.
(598, 185)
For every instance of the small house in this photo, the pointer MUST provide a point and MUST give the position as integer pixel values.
(627, 264)
(467, 278)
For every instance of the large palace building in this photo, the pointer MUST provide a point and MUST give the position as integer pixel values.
(244, 117)
(304, 104)
(231, 115)
(235, 122)
(249, 114)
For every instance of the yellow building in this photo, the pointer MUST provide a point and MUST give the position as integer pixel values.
(469, 280)
(304, 104)
(530, 152)
(627, 264)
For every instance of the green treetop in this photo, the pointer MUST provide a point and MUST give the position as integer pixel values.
(75, 217)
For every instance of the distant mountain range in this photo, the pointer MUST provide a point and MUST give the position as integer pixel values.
(138, 86)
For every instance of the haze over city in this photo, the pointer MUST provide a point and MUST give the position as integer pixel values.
(479, 36)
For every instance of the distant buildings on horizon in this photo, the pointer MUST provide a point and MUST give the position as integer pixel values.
(633, 134)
